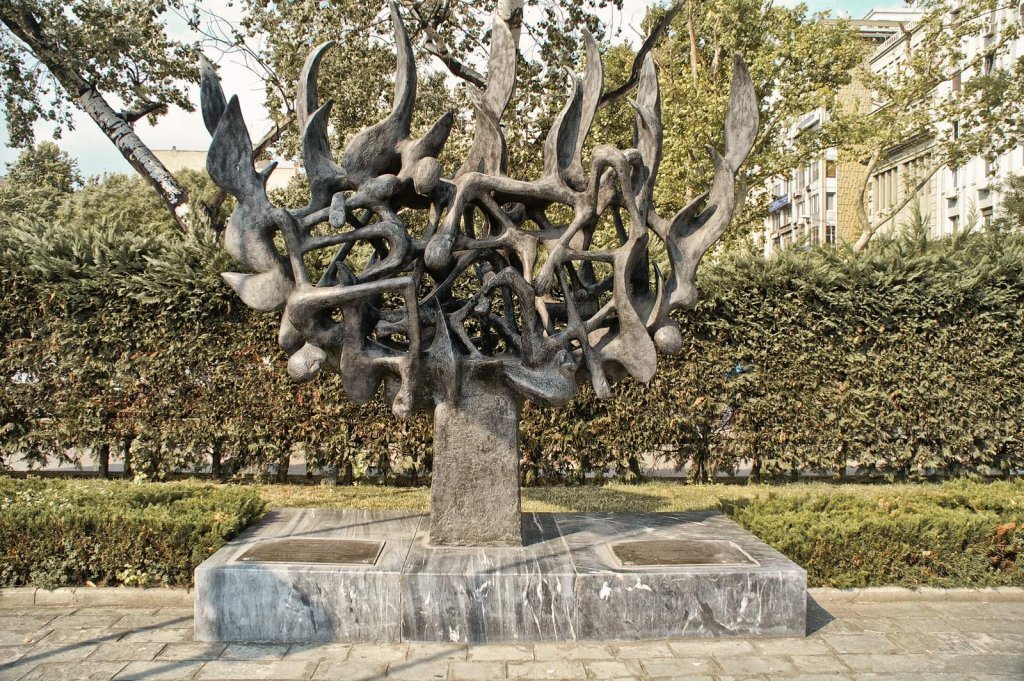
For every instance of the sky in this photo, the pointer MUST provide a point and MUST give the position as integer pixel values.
(184, 130)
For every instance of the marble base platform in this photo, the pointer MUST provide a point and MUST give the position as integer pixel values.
(574, 579)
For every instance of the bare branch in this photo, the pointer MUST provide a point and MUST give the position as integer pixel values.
(132, 115)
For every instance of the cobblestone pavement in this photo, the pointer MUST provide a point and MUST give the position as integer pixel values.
(905, 640)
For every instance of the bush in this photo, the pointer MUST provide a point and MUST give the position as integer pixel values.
(68, 533)
(954, 535)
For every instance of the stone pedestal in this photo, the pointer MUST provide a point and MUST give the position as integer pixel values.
(474, 490)
(578, 576)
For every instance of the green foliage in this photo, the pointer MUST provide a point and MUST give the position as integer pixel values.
(904, 362)
(66, 533)
(954, 535)
(117, 47)
(40, 179)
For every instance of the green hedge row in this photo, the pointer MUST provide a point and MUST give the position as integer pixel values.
(68, 533)
(903, 361)
(953, 535)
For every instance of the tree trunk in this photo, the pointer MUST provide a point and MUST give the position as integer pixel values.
(113, 124)
(126, 457)
(216, 468)
(103, 461)
(474, 493)
(691, 29)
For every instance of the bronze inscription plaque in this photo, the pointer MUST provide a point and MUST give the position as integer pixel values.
(323, 551)
(671, 552)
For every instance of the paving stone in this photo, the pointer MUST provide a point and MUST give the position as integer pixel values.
(547, 669)
(642, 651)
(613, 669)
(816, 664)
(418, 670)
(438, 651)
(82, 671)
(791, 646)
(16, 670)
(987, 664)
(894, 663)
(501, 652)
(83, 636)
(991, 610)
(911, 610)
(85, 621)
(476, 671)
(680, 667)
(22, 638)
(71, 652)
(318, 651)
(755, 665)
(127, 651)
(377, 653)
(990, 625)
(702, 648)
(573, 651)
(175, 620)
(157, 635)
(167, 670)
(191, 651)
(860, 643)
(350, 671)
(859, 625)
(246, 669)
(9, 654)
(256, 651)
(24, 623)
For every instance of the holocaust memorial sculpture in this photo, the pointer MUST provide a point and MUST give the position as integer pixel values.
(496, 293)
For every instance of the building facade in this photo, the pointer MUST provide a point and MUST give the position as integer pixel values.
(175, 159)
(818, 203)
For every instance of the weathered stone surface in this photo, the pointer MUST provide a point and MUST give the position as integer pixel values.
(563, 584)
(238, 601)
(490, 594)
(474, 490)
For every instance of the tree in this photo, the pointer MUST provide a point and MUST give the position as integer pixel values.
(94, 53)
(41, 178)
(981, 116)
(798, 62)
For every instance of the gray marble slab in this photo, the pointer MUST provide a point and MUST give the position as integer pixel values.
(244, 601)
(491, 594)
(613, 601)
(564, 583)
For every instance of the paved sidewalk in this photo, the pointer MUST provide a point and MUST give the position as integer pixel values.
(909, 640)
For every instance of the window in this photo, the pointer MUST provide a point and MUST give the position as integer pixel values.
(956, 84)
(986, 217)
(991, 166)
(956, 130)
(830, 235)
(954, 223)
(830, 169)
(813, 172)
(990, 63)
(830, 202)
(954, 177)
(815, 205)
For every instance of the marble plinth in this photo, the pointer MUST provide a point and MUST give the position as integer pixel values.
(565, 583)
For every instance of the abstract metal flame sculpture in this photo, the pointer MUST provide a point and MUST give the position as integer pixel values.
(546, 308)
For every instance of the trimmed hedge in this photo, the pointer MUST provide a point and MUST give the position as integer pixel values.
(904, 361)
(954, 535)
(70, 533)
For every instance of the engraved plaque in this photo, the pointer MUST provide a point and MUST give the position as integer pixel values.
(675, 552)
(320, 551)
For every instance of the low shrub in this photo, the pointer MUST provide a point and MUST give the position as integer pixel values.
(952, 535)
(70, 533)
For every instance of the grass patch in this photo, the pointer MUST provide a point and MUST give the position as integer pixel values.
(960, 533)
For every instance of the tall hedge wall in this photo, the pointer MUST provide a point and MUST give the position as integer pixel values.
(904, 360)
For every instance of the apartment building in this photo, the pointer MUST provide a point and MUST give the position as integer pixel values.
(175, 159)
(818, 203)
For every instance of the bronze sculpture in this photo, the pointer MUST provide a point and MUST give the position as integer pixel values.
(549, 309)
